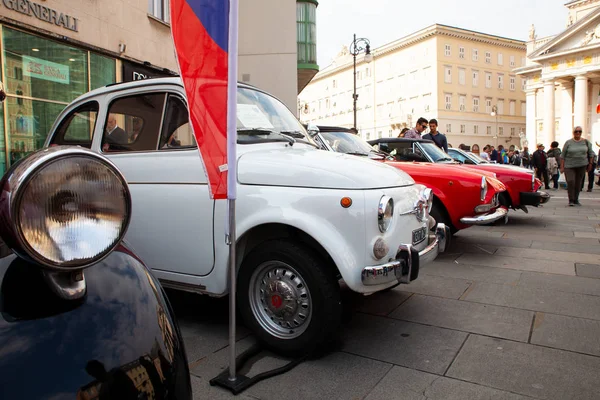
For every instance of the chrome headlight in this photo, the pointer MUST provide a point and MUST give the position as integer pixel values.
(64, 207)
(532, 182)
(484, 188)
(385, 213)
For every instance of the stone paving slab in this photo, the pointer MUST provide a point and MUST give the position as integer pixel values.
(527, 369)
(411, 345)
(472, 232)
(521, 242)
(561, 283)
(437, 286)
(407, 384)
(517, 263)
(473, 273)
(503, 322)
(567, 333)
(588, 270)
(334, 376)
(591, 235)
(381, 303)
(528, 298)
(591, 247)
(550, 255)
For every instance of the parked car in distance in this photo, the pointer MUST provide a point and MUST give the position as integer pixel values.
(81, 316)
(522, 187)
(462, 198)
(305, 218)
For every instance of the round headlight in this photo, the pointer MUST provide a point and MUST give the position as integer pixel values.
(65, 207)
(385, 213)
(484, 188)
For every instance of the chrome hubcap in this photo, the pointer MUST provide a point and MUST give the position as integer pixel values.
(280, 300)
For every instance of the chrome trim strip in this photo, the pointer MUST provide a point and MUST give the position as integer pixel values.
(501, 212)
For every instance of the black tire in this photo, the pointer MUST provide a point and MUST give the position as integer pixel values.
(322, 286)
(439, 213)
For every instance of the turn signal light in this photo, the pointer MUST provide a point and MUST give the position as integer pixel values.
(346, 202)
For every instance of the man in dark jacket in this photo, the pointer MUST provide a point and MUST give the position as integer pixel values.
(539, 161)
(438, 138)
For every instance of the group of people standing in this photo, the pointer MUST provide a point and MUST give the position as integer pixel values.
(575, 160)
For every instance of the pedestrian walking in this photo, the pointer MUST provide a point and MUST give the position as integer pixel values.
(415, 133)
(577, 158)
(539, 160)
(554, 170)
(438, 138)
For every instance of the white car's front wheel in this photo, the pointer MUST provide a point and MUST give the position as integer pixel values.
(288, 297)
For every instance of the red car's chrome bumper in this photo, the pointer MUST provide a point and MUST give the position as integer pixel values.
(501, 212)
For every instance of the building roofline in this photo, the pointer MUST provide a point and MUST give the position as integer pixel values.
(423, 34)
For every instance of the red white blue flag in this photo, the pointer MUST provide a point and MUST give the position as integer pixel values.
(205, 37)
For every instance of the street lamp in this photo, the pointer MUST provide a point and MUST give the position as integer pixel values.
(494, 113)
(357, 46)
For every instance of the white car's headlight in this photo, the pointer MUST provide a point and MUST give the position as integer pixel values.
(385, 213)
(484, 188)
(64, 207)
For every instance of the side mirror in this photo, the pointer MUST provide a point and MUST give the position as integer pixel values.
(312, 129)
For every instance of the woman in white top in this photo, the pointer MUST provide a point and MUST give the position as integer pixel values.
(484, 154)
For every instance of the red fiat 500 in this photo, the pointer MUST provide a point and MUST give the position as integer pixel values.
(461, 197)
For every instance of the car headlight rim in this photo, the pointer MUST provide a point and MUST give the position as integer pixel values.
(25, 176)
(385, 213)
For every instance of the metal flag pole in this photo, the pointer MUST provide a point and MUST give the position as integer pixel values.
(232, 177)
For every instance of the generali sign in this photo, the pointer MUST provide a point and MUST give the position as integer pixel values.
(43, 13)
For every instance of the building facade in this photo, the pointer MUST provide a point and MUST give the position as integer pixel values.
(52, 51)
(563, 78)
(454, 75)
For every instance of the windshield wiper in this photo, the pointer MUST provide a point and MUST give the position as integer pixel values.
(254, 131)
(294, 134)
(445, 159)
(356, 153)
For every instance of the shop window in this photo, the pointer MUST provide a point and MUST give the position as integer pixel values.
(177, 131)
(159, 9)
(102, 71)
(43, 69)
(28, 124)
(77, 128)
(133, 123)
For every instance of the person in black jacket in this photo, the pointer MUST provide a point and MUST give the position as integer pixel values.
(539, 161)
(438, 138)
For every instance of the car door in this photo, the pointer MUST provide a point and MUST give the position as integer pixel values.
(149, 138)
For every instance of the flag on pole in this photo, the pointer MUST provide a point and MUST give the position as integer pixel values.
(206, 47)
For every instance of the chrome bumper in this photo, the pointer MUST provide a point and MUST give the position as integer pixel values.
(501, 212)
(405, 268)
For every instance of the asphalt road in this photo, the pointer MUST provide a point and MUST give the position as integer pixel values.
(510, 312)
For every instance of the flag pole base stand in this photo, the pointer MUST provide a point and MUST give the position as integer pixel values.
(243, 382)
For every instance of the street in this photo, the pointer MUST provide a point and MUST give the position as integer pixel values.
(510, 312)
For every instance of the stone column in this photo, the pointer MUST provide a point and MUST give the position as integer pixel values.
(581, 103)
(549, 114)
(531, 126)
(566, 118)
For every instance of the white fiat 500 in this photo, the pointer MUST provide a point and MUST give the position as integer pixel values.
(305, 218)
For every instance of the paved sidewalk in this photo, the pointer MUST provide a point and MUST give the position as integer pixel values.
(510, 312)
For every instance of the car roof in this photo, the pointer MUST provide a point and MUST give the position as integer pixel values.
(398, 140)
(119, 86)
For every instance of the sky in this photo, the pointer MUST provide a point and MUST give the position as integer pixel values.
(383, 21)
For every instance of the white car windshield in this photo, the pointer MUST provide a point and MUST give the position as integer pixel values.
(436, 154)
(263, 118)
(477, 158)
(344, 142)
